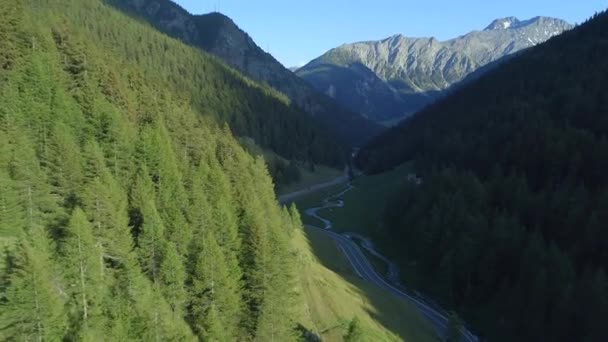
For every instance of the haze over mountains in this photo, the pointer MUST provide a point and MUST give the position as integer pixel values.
(397, 76)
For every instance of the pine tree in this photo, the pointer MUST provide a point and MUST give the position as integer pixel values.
(11, 18)
(151, 243)
(215, 294)
(30, 183)
(272, 275)
(12, 221)
(33, 305)
(213, 327)
(223, 217)
(154, 320)
(171, 195)
(223, 220)
(84, 276)
(106, 204)
(64, 163)
(295, 215)
(172, 278)
(354, 332)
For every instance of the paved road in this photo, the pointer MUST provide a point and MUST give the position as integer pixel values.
(364, 269)
(293, 195)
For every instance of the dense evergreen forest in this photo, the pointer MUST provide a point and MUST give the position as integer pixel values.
(220, 36)
(509, 225)
(125, 214)
(209, 86)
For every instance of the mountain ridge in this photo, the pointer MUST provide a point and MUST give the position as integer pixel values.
(413, 66)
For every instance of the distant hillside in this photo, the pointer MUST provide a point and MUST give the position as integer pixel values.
(220, 36)
(347, 84)
(507, 225)
(415, 71)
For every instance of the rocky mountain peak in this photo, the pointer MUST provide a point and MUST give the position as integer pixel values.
(503, 24)
(416, 70)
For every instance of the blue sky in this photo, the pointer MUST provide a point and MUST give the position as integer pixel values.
(295, 32)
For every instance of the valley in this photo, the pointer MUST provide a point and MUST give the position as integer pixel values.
(364, 269)
(165, 178)
(334, 294)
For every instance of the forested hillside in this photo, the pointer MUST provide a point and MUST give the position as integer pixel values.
(220, 36)
(125, 214)
(509, 223)
(211, 88)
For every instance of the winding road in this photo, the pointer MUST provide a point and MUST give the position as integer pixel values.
(364, 269)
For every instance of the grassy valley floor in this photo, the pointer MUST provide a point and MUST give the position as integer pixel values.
(334, 295)
(321, 174)
(363, 208)
(363, 205)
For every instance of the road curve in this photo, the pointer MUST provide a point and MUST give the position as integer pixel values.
(364, 269)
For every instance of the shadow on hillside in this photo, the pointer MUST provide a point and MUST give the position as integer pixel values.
(403, 321)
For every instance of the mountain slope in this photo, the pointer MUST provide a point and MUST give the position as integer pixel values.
(125, 213)
(416, 70)
(347, 83)
(507, 223)
(251, 110)
(335, 295)
(220, 36)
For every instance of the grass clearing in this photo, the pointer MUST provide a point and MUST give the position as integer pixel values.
(315, 199)
(334, 294)
(364, 205)
(321, 174)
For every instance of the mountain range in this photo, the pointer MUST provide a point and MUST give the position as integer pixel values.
(392, 78)
(220, 36)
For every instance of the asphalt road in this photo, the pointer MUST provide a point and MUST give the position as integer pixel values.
(364, 269)
(293, 195)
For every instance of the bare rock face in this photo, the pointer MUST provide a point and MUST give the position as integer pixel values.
(417, 70)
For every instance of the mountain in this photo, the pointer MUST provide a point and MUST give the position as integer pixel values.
(251, 110)
(355, 86)
(129, 211)
(507, 221)
(220, 36)
(416, 71)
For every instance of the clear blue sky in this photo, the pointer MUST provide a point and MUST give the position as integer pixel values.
(295, 32)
